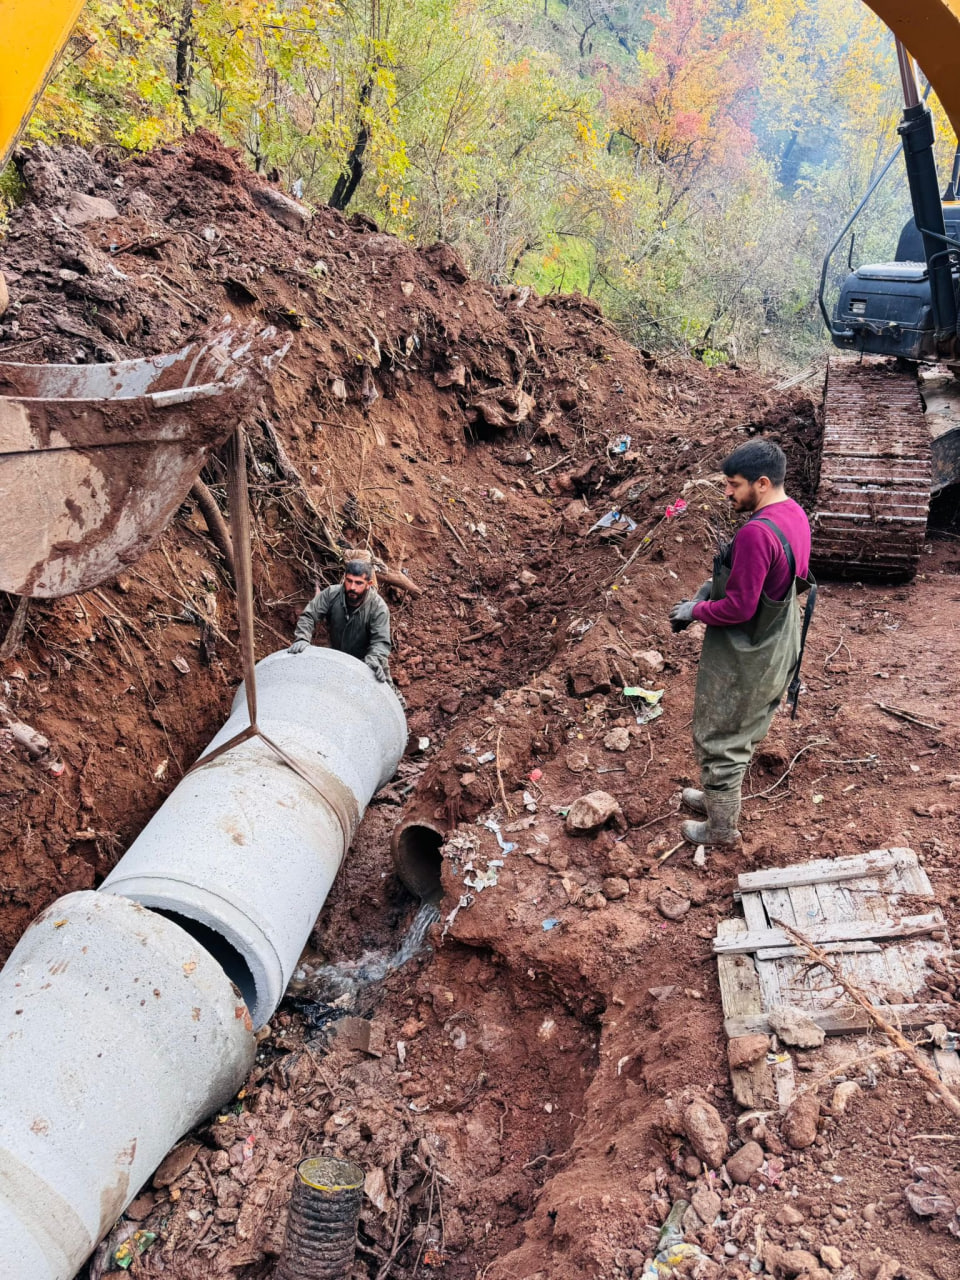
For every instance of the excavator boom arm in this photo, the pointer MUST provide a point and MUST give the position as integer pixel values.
(930, 29)
(32, 36)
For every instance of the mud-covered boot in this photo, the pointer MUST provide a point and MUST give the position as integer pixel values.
(695, 800)
(723, 810)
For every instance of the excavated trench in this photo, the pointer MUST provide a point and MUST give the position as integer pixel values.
(505, 1091)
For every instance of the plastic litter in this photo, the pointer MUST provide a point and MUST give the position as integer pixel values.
(652, 697)
(619, 444)
(551, 922)
(506, 845)
(138, 1243)
(487, 758)
(672, 1249)
(485, 878)
(614, 518)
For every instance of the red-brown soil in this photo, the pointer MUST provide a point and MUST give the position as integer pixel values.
(523, 1130)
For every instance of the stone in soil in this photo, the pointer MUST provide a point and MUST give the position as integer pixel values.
(794, 1027)
(800, 1122)
(706, 1132)
(706, 1203)
(743, 1164)
(592, 811)
(614, 888)
(617, 740)
(744, 1051)
(672, 905)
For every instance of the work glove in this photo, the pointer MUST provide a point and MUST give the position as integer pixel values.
(681, 615)
(375, 665)
(298, 646)
(704, 592)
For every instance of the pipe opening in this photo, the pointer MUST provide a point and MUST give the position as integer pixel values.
(417, 856)
(230, 960)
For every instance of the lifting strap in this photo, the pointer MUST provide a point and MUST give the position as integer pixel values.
(338, 799)
(810, 586)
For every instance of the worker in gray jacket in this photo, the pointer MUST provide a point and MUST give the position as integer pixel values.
(358, 620)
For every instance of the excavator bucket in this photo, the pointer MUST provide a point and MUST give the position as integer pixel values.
(95, 459)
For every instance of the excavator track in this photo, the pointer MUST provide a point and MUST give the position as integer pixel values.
(875, 474)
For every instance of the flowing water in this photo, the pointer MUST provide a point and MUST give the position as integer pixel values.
(338, 985)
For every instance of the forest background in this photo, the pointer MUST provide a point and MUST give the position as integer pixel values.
(684, 162)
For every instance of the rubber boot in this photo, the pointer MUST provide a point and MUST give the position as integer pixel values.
(723, 810)
(694, 800)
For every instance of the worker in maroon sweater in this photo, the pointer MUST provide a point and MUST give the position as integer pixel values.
(751, 648)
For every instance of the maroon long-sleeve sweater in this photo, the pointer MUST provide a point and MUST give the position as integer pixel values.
(759, 564)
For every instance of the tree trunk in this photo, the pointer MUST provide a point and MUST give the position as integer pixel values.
(184, 70)
(348, 181)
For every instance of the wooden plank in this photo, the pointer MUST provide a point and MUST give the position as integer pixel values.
(827, 869)
(948, 1066)
(753, 911)
(835, 931)
(784, 1081)
(739, 987)
(807, 908)
(777, 904)
(784, 953)
(768, 975)
(753, 1087)
(841, 1020)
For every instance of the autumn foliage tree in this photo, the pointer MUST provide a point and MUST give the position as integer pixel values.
(684, 160)
(689, 111)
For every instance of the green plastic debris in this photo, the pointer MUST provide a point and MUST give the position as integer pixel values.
(138, 1243)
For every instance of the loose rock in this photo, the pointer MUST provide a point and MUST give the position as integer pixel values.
(82, 208)
(577, 761)
(672, 905)
(744, 1051)
(843, 1095)
(743, 1164)
(614, 888)
(591, 812)
(831, 1255)
(706, 1133)
(706, 1203)
(800, 1122)
(788, 1216)
(652, 659)
(617, 740)
(794, 1027)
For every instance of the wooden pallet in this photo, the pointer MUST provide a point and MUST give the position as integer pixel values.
(863, 908)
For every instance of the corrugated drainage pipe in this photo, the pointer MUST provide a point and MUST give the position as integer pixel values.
(118, 1033)
(243, 853)
(415, 844)
(121, 1027)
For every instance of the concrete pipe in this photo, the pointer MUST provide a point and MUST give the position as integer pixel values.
(119, 1033)
(415, 844)
(243, 853)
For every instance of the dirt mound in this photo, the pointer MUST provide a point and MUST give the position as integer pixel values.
(511, 1097)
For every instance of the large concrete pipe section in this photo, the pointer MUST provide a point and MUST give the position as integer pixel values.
(118, 1033)
(245, 850)
(124, 1013)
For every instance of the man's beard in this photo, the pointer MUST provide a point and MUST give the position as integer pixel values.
(749, 503)
(354, 598)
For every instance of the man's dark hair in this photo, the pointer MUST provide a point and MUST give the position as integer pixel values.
(757, 458)
(358, 569)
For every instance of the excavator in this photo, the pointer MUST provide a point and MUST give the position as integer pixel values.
(95, 459)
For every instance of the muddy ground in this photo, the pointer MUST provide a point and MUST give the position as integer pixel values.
(514, 1115)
